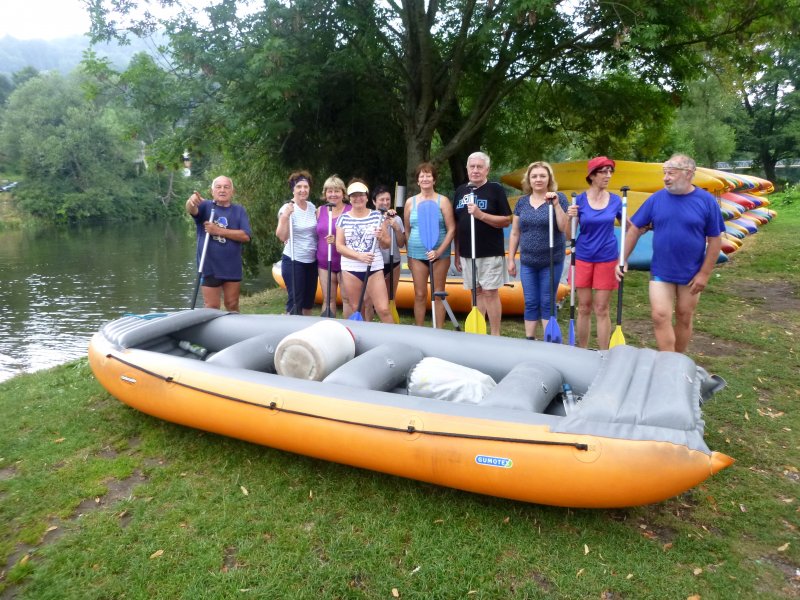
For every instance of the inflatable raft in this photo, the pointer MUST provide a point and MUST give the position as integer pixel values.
(484, 414)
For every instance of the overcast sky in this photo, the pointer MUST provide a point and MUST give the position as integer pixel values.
(42, 19)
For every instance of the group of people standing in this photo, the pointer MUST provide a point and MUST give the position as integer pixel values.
(352, 242)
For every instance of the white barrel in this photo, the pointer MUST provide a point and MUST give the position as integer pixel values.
(314, 352)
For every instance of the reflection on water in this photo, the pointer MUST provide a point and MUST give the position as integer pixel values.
(57, 286)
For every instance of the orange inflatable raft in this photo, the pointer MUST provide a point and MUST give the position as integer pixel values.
(478, 413)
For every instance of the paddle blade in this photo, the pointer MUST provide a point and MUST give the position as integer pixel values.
(356, 316)
(428, 221)
(476, 323)
(571, 332)
(552, 333)
(393, 309)
(617, 339)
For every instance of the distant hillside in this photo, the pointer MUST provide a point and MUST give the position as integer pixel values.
(61, 55)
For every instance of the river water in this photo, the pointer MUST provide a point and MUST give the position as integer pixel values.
(58, 286)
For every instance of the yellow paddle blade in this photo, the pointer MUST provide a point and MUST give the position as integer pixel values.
(476, 323)
(617, 339)
(393, 309)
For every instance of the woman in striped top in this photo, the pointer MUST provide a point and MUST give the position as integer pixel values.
(297, 229)
(358, 236)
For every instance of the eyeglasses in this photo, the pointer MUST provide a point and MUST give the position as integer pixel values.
(605, 171)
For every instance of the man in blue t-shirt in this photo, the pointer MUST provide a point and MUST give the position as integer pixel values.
(222, 264)
(687, 224)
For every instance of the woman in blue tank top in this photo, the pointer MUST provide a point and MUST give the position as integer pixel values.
(419, 258)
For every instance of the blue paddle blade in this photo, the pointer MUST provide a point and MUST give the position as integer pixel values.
(356, 316)
(571, 332)
(428, 222)
(552, 333)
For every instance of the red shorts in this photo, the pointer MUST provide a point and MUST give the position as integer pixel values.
(597, 276)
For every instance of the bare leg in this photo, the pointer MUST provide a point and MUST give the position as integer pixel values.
(440, 268)
(530, 328)
(684, 315)
(347, 309)
(351, 287)
(662, 299)
(212, 296)
(420, 276)
(602, 298)
(584, 325)
(489, 304)
(376, 289)
(328, 296)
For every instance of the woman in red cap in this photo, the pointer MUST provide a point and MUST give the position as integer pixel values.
(597, 251)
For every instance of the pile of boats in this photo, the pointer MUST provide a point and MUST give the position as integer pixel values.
(531, 421)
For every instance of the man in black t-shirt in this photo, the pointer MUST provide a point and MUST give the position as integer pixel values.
(486, 201)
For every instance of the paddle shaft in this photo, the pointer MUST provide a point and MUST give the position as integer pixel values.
(551, 215)
(622, 225)
(474, 270)
(291, 257)
(201, 263)
(572, 263)
(327, 312)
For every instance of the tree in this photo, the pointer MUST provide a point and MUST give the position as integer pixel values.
(769, 123)
(75, 165)
(443, 67)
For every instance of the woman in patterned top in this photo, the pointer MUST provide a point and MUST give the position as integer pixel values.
(358, 235)
(297, 229)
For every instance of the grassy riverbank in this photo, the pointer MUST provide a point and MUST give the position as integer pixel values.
(99, 501)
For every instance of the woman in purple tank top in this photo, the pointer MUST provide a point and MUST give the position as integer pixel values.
(333, 193)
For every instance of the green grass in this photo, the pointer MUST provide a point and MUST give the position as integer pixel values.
(146, 509)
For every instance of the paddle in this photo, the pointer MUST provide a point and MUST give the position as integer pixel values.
(201, 263)
(294, 271)
(572, 277)
(356, 316)
(617, 338)
(392, 305)
(428, 220)
(552, 333)
(476, 322)
(328, 312)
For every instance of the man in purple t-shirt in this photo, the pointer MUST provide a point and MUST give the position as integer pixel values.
(686, 223)
(222, 268)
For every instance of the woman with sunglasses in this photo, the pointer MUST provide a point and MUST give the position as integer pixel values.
(596, 251)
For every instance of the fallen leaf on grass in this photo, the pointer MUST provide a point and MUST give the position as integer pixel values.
(742, 508)
(585, 549)
(693, 597)
(507, 520)
(666, 546)
(310, 494)
(746, 416)
(438, 521)
(156, 554)
(24, 559)
(59, 440)
(629, 576)
(697, 571)
(768, 412)
(395, 593)
(51, 528)
(416, 569)
(580, 572)
(244, 490)
(783, 548)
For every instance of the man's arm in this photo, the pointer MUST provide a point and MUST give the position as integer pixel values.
(700, 280)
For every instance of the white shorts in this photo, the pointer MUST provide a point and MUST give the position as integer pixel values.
(492, 274)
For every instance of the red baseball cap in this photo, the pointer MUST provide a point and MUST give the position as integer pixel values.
(598, 162)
